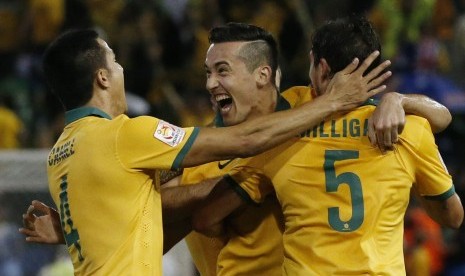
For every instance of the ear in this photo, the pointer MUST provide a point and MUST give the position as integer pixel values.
(325, 71)
(102, 78)
(263, 75)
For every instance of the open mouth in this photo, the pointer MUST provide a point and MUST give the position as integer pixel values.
(224, 102)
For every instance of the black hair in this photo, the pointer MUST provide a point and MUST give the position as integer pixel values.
(261, 49)
(70, 63)
(340, 41)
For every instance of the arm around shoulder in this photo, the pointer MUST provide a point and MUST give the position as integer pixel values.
(437, 114)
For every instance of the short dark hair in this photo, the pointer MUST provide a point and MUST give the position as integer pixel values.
(261, 49)
(70, 63)
(340, 41)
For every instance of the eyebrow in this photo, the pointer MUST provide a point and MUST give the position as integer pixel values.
(217, 64)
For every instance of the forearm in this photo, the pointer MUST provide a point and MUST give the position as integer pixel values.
(257, 135)
(347, 89)
(221, 202)
(178, 203)
(447, 213)
(174, 232)
(437, 114)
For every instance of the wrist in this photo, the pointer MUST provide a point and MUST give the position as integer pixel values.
(395, 98)
(328, 106)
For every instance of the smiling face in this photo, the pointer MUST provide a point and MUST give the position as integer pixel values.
(232, 86)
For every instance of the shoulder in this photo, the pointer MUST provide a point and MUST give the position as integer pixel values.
(297, 95)
(416, 130)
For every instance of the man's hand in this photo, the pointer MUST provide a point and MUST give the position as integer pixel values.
(349, 88)
(44, 227)
(387, 122)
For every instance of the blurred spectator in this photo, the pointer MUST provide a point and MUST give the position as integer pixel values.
(399, 22)
(10, 246)
(61, 266)
(11, 126)
(44, 22)
(423, 243)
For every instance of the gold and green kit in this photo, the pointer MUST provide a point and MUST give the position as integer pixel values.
(103, 178)
(252, 244)
(343, 201)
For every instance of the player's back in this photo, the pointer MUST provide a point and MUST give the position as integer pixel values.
(344, 201)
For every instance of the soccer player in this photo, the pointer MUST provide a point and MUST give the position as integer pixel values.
(103, 170)
(343, 201)
(253, 241)
(251, 244)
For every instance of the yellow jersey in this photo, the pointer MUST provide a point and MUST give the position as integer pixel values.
(253, 241)
(103, 178)
(343, 201)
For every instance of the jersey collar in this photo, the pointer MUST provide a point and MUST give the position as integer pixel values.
(81, 112)
(282, 104)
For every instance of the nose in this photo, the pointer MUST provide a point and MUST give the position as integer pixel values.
(212, 82)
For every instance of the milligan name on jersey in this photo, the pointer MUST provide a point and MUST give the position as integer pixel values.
(338, 129)
(60, 153)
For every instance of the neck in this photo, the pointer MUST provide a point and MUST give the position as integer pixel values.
(103, 104)
(268, 102)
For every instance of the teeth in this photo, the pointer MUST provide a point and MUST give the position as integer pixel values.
(221, 97)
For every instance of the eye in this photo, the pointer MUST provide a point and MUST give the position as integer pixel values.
(223, 70)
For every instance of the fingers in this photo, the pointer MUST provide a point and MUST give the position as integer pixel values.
(375, 91)
(35, 239)
(28, 232)
(378, 80)
(394, 135)
(367, 62)
(351, 67)
(400, 128)
(41, 207)
(371, 132)
(29, 218)
(370, 76)
(387, 140)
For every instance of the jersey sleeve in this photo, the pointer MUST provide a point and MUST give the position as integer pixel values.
(194, 175)
(248, 179)
(149, 143)
(431, 177)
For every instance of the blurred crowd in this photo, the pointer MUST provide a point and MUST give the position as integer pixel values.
(161, 45)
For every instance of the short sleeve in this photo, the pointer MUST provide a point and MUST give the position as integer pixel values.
(252, 185)
(432, 179)
(149, 143)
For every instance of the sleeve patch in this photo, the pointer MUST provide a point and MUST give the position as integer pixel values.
(169, 134)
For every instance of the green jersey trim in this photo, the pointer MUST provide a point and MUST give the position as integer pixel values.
(374, 102)
(443, 196)
(81, 112)
(239, 190)
(187, 146)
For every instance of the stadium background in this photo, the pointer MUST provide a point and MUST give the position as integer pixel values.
(161, 45)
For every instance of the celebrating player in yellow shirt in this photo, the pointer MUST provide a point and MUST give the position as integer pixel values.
(256, 248)
(343, 201)
(103, 170)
